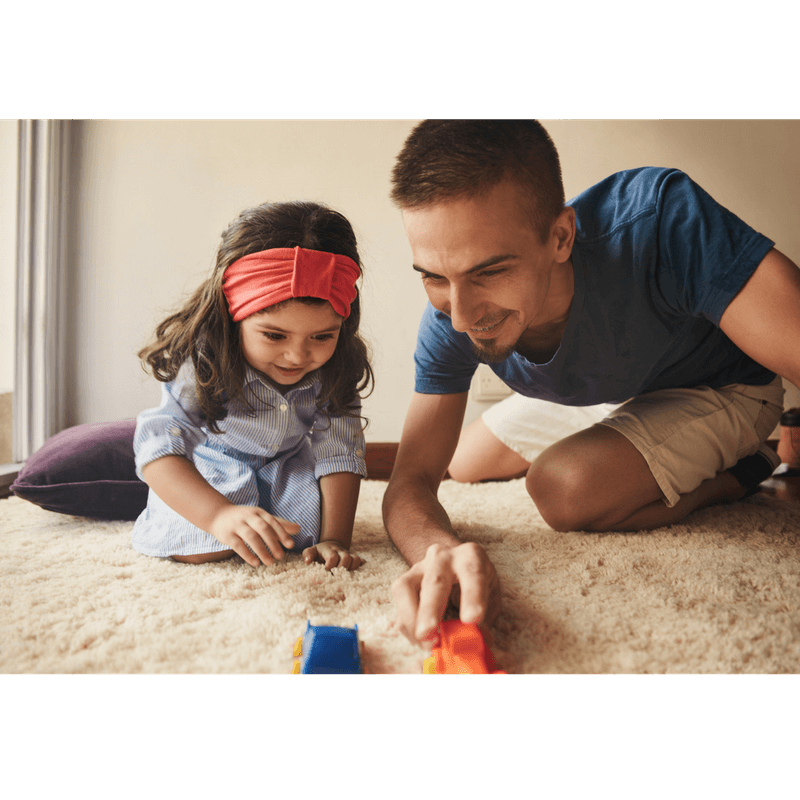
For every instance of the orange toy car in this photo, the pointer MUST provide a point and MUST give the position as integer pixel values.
(461, 651)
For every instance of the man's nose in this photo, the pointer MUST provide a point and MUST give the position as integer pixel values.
(462, 303)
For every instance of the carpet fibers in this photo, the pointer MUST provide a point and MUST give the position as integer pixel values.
(718, 594)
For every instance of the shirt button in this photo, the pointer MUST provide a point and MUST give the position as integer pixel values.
(359, 453)
(284, 407)
(175, 430)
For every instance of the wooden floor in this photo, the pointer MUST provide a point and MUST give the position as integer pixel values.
(380, 460)
(783, 487)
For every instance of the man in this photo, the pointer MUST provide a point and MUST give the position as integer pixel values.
(641, 292)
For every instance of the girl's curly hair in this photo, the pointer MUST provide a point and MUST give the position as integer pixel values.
(203, 332)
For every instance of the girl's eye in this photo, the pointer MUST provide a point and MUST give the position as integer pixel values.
(277, 337)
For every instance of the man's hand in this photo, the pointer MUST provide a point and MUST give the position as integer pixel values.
(445, 569)
(421, 594)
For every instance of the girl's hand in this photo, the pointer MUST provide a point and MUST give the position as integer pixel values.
(332, 554)
(252, 533)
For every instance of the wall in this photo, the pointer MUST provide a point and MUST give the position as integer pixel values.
(152, 197)
(8, 239)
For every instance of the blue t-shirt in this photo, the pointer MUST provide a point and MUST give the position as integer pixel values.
(656, 263)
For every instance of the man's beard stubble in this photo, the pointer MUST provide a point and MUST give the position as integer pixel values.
(490, 353)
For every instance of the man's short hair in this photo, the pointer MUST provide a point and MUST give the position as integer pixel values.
(446, 159)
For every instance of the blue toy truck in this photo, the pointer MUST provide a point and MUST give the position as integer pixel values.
(328, 650)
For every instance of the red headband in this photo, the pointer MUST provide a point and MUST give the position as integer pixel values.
(255, 282)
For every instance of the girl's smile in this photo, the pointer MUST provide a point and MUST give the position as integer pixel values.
(288, 341)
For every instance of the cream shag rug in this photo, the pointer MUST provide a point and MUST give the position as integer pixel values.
(719, 594)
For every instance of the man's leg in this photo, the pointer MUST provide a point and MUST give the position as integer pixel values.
(596, 480)
(481, 456)
(509, 435)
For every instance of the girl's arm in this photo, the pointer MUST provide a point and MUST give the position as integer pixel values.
(178, 483)
(339, 500)
(339, 492)
(247, 530)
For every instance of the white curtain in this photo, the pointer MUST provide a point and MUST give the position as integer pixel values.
(41, 248)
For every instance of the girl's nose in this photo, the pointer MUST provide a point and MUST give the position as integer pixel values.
(296, 354)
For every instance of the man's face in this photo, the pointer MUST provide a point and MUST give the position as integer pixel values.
(484, 265)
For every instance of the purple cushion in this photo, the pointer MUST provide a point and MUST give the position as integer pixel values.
(88, 471)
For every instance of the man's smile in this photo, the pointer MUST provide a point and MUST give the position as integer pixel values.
(487, 328)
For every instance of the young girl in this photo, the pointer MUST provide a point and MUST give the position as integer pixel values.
(259, 421)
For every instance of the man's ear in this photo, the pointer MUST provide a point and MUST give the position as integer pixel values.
(563, 234)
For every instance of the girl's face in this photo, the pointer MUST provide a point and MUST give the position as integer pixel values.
(287, 343)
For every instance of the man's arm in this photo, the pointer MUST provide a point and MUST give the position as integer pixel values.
(764, 318)
(420, 528)
(412, 513)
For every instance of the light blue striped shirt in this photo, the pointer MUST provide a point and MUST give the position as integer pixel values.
(176, 427)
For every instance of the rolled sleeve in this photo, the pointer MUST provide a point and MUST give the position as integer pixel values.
(338, 445)
(171, 429)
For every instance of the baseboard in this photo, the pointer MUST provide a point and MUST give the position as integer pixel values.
(380, 462)
(380, 458)
(8, 474)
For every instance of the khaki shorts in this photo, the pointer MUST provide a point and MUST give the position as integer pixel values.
(685, 435)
